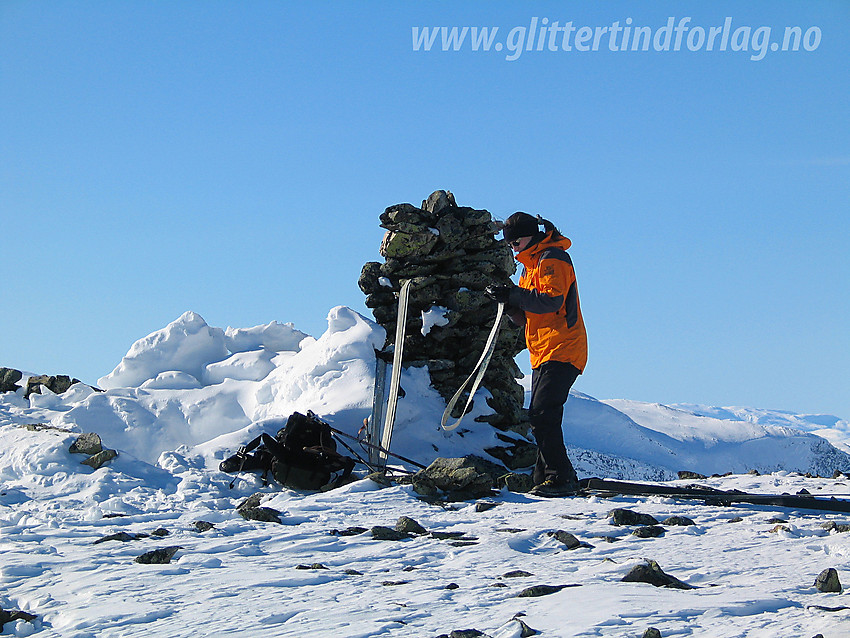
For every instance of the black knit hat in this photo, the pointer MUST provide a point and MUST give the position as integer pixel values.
(520, 225)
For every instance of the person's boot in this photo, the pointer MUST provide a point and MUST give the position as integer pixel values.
(553, 488)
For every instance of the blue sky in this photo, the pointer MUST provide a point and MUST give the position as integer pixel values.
(233, 158)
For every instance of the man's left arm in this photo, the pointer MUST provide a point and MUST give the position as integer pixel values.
(551, 292)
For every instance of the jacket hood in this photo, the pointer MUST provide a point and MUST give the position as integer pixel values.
(551, 239)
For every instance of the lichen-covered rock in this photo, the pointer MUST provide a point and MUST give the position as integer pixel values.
(650, 572)
(542, 590)
(348, 531)
(622, 516)
(691, 476)
(9, 378)
(55, 383)
(832, 526)
(407, 525)
(828, 582)
(678, 521)
(516, 482)
(519, 453)
(649, 531)
(464, 633)
(380, 478)
(408, 245)
(122, 537)
(251, 502)
(570, 541)
(250, 510)
(438, 200)
(469, 477)
(88, 444)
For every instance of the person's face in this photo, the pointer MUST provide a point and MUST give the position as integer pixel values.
(519, 244)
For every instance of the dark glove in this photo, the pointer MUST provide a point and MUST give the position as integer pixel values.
(498, 292)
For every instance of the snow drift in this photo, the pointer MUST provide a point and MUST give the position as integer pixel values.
(204, 391)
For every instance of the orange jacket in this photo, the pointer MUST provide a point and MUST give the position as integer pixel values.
(548, 295)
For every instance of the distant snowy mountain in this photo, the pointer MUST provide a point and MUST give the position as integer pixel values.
(205, 390)
(727, 443)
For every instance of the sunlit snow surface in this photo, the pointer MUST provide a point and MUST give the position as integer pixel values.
(196, 393)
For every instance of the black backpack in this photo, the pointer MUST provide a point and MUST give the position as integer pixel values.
(301, 456)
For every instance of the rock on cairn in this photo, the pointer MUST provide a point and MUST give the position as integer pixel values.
(451, 254)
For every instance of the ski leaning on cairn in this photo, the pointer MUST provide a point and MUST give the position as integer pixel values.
(476, 376)
(711, 496)
(384, 410)
(395, 379)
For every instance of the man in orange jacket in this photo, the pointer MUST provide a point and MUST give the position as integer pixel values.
(546, 301)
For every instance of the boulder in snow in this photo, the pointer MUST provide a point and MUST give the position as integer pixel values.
(161, 556)
(650, 572)
(57, 384)
(464, 478)
(622, 516)
(88, 443)
(827, 581)
(9, 379)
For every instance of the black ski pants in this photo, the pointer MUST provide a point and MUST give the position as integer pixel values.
(550, 388)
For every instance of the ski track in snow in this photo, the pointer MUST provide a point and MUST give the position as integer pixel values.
(199, 392)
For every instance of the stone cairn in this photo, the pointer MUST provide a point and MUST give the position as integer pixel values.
(451, 254)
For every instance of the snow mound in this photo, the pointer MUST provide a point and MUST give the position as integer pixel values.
(247, 366)
(274, 336)
(330, 375)
(186, 345)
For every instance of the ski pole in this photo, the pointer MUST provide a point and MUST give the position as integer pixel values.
(379, 448)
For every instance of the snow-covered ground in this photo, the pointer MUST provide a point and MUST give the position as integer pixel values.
(187, 396)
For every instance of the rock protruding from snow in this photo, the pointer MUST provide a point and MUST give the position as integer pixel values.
(57, 384)
(409, 526)
(9, 378)
(88, 443)
(251, 510)
(622, 516)
(459, 479)
(11, 615)
(97, 461)
(650, 572)
(160, 556)
(828, 582)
